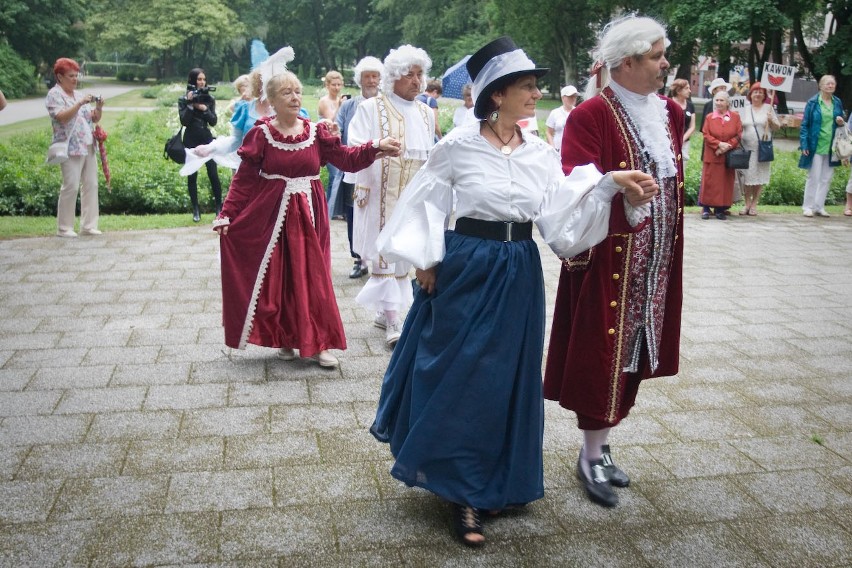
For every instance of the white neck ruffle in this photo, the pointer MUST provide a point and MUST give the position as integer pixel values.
(649, 114)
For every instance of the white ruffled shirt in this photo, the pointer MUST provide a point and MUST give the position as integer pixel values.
(571, 213)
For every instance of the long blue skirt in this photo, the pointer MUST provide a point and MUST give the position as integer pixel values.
(461, 402)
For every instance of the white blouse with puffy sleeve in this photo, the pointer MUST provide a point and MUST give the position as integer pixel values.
(571, 213)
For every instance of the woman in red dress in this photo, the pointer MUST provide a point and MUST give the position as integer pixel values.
(274, 232)
(722, 131)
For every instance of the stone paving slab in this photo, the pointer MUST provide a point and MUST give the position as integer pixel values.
(131, 436)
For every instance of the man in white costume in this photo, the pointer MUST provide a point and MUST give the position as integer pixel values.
(394, 112)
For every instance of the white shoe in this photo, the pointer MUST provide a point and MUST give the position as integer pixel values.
(808, 212)
(381, 321)
(91, 232)
(392, 333)
(325, 359)
(286, 354)
(821, 213)
(66, 234)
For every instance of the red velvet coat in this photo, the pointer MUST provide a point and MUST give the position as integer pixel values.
(717, 181)
(587, 350)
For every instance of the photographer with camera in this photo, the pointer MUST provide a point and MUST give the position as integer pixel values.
(197, 110)
(73, 147)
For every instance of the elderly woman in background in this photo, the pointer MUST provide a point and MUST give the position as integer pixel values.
(242, 85)
(73, 120)
(463, 114)
(681, 93)
(722, 133)
(823, 114)
(758, 119)
(559, 116)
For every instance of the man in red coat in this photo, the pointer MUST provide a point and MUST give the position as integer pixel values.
(617, 314)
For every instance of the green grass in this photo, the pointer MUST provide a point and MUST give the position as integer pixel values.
(18, 227)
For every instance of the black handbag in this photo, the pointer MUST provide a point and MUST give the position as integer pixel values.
(765, 149)
(174, 149)
(737, 159)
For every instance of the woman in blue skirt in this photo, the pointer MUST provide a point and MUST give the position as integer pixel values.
(461, 403)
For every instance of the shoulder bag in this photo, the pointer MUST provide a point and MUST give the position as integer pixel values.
(738, 158)
(765, 150)
(57, 153)
(174, 149)
(843, 143)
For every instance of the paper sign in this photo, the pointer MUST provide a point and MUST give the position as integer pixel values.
(778, 77)
(737, 103)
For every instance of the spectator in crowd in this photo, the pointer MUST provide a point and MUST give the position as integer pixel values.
(556, 119)
(681, 93)
(823, 114)
(197, 110)
(274, 232)
(723, 132)
(461, 402)
(464, 114)
(758, 120)
(368, 76)
(329, 105)
(430, 98)
(73, 120)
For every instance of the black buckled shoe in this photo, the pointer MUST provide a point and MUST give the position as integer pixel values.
(616, 477)
(467, 523)
(598, 488)
(358, 270)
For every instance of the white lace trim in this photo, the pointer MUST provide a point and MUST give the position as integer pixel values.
(221, 222)
(293, 186)
(312, 131)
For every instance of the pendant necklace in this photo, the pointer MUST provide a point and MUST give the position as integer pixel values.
(505, 149)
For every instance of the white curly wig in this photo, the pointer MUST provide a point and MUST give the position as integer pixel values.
(625, 37)
(399, 61)
(369, 63)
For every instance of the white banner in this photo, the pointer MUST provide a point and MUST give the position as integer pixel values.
(737, 102)
(778, 77)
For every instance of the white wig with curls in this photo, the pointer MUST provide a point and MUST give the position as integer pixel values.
(400, 61)
(629, 36)
(369, 63)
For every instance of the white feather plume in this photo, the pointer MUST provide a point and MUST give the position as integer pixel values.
(276, 63)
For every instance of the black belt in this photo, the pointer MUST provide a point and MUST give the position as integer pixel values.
(494, 230)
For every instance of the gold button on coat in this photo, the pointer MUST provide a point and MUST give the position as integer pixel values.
(615, 277)
(618, 249)
(613, 304)
(622, 165)
(611, 331)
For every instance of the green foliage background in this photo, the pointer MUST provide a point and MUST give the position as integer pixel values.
(17, 76)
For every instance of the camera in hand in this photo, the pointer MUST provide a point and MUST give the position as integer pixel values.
(97, 98)
(201, 95)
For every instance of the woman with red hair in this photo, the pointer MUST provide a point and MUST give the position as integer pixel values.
(73, 120)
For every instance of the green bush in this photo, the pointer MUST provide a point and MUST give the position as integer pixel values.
(142, 180)
(17, 76)
(226, 73)
(786, 183)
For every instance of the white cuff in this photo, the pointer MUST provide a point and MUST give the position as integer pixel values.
(224, 221)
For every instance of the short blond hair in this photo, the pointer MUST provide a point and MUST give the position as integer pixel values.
(280, 81)
(330, 76)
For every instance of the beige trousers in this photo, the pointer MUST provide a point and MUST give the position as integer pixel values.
(78, 172)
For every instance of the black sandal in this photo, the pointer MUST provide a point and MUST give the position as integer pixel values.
(466, 522)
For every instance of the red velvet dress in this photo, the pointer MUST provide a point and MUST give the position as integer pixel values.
(717, 181)
(276, 257)
(606, 293)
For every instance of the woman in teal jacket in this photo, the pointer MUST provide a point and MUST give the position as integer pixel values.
(823, 114)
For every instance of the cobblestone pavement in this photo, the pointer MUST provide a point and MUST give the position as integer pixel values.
(130, 436)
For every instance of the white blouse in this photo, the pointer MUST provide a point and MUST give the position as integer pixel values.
(571, 213)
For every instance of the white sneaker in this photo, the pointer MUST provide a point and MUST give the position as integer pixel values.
(286, 354)
(66, 234)
(821, 213)
(381, 321)
(392, 333)
(91, 232)
(808, 212)
(325, 359)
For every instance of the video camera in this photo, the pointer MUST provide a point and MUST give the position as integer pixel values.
(201, 95)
